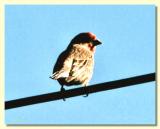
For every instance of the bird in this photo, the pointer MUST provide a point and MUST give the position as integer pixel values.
(75, 65)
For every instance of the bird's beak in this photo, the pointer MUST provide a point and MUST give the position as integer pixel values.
(97, 42)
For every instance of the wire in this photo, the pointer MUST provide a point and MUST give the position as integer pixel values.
(80, 91)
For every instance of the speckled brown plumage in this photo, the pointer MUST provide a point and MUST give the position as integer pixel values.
(75, 65)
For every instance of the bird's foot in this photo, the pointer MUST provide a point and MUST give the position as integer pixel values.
(86, 95)
(63, 90)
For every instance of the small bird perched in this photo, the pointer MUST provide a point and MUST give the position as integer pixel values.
(75, 65)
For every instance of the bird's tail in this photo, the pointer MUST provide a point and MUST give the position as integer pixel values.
(59, 74)
(55, 76)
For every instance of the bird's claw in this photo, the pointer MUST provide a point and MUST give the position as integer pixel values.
(63, 90)
(86, 95)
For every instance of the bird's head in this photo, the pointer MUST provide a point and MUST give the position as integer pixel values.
(86, 39)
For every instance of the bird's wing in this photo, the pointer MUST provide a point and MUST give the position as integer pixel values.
(78, 67)
(63, 65)
(82, 62)
(71, 63)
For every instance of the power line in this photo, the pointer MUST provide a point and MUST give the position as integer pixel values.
(80, 91)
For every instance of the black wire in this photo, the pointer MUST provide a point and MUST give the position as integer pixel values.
(80, 91)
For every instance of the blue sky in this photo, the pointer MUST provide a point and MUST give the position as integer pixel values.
(36, 35)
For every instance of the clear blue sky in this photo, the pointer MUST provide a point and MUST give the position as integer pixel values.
(36, 35)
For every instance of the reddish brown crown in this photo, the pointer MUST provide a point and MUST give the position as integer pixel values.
(91, 35)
